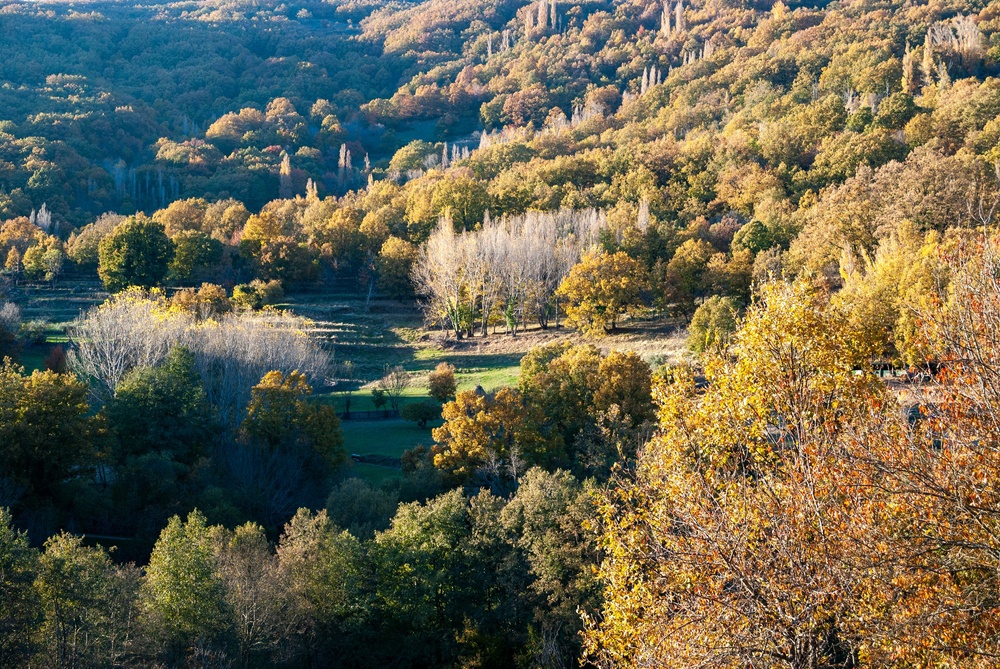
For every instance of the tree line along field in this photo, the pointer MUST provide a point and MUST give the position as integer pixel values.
(371, 335)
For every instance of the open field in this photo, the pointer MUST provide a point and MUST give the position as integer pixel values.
(389, 437)
(392, 333)
(372, 474)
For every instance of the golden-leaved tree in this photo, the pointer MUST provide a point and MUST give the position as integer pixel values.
(600, 289)
(480, 426)
(725, 549)
(791, 515)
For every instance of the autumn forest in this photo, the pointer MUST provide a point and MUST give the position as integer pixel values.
(497, 333)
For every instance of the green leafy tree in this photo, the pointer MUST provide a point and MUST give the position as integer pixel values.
(896, 110)
(549, 520)
(182, 599)
(257, 294)
(20, 610)
(136, 253)
(380, 399)
(754, 237)
(325, 572)
(362, 508)
(74, 585)
(464, 200)
(194, 251)
(712, 325)
(442, 592)
(47, 432)
(420, 412)
(411, 156)
(163, 409)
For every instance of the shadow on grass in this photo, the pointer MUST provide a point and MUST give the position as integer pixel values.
(389, 438)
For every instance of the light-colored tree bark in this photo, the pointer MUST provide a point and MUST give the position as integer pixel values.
(511, 266)
(135, 330)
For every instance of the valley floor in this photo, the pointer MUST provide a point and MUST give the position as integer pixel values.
(370, 335)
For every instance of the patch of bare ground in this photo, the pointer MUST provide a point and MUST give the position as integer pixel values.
(658, 341)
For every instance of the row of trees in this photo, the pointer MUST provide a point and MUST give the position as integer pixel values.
(232, 351)
(191, 241)
(486, 580)
(505, 272)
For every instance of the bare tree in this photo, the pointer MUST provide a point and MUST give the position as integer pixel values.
(120, 627)
(130, 330)
(511, 267)
(437, 275)
(344, 383)
(256, 590)
(272, 483)
(393, 383)
(134, 330)
(492, 248)
(234, 353)
(10, 317)
(960, 36)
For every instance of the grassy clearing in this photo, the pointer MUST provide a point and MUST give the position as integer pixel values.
(489, 362)
(390, 437)
(474, 368)
(372, 474)
(32, 359)
(489, 379)
(361, 399)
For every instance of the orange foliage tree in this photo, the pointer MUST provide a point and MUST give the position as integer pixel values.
(792, 515)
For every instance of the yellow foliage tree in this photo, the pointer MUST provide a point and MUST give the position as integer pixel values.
(727, 549)
(789, 515)
(479, 426)
(280, 416)
(881, 296)
(600, 289)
